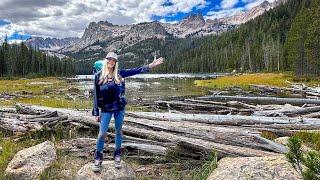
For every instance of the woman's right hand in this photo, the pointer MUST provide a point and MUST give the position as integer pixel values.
(97, 118)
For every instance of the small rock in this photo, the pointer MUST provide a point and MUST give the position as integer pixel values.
(23, 92)
(1, 149)
(282, 140)
(266, 168)
(73, 90)
(108, 172)
(31, 162)
(70, 97)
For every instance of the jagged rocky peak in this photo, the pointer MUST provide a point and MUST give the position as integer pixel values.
(265, 4)
(193, 21)
(144, 31)
(150, 28)
(93, 25)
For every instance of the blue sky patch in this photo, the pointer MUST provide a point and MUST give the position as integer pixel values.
(4, 22)
(18, 36)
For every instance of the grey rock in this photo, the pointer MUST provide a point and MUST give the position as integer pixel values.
(108, 172)
(31, 162)
(264, 168)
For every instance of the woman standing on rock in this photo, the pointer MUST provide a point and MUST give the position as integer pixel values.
(109, 89)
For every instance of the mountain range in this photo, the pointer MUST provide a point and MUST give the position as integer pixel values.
(103, 36)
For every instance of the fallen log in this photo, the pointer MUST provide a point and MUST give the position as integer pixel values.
(186, 106)
(223, 135)
(290, 112)
(8, 110)
(153, 149)
(236, 104)
(222, 149)
(50, 119)
(263, 100)
(235, 120)
(312, 115)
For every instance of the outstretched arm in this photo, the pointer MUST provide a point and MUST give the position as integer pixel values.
(144, 69)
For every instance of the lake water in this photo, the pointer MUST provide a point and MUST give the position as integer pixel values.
(156, 86)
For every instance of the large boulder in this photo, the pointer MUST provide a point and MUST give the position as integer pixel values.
(31, 162)
(266, 168)
(108, 172)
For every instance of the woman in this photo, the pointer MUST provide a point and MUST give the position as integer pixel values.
(109, 89)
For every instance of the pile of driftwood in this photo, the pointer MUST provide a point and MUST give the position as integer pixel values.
(295, 90)
(154, 134)
(245, 105)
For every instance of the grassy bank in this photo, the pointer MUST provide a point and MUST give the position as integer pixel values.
(49, 91)
(243, 80)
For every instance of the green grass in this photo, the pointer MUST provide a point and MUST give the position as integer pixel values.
(204, 172)
(243, 81)
(268, 135)
(310, 139)
(50, 92)
(65, 167)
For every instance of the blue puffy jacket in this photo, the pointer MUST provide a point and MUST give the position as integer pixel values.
(110, 96)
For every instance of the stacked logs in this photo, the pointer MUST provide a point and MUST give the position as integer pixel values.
(147, 134)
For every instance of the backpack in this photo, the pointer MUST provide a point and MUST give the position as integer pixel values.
(97, 66)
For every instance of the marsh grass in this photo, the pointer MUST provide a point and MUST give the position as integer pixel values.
(49, 91)
(268, 135)
(206, 169)
(243, 80)
(310, 139)
(65, 167)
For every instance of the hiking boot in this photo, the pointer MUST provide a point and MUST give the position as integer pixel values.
(117, 158)
(98, 158)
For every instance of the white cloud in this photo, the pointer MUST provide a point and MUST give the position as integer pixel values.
(222, 13)
(8, 30)
(69, 18)
(227, 4)
(253, 3)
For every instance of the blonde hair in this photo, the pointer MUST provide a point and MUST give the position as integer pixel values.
(105, 72)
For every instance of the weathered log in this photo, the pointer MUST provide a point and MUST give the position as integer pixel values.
(47, 115)
(263, 100)
(50, 119)
(223, 135)
(23, 109)
(78, 116)
(312, 115)
(235, 120)
(15, 125)
(222, 149)
(229, 103)
(153, 149)
(285, 112)
(8, 110)
(185, 106)
(206, 102)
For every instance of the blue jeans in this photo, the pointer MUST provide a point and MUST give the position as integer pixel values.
(105, 118)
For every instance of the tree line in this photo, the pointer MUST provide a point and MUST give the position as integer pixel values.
(20, 60)
(286, 38)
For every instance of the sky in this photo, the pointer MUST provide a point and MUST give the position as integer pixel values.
(22, 19)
